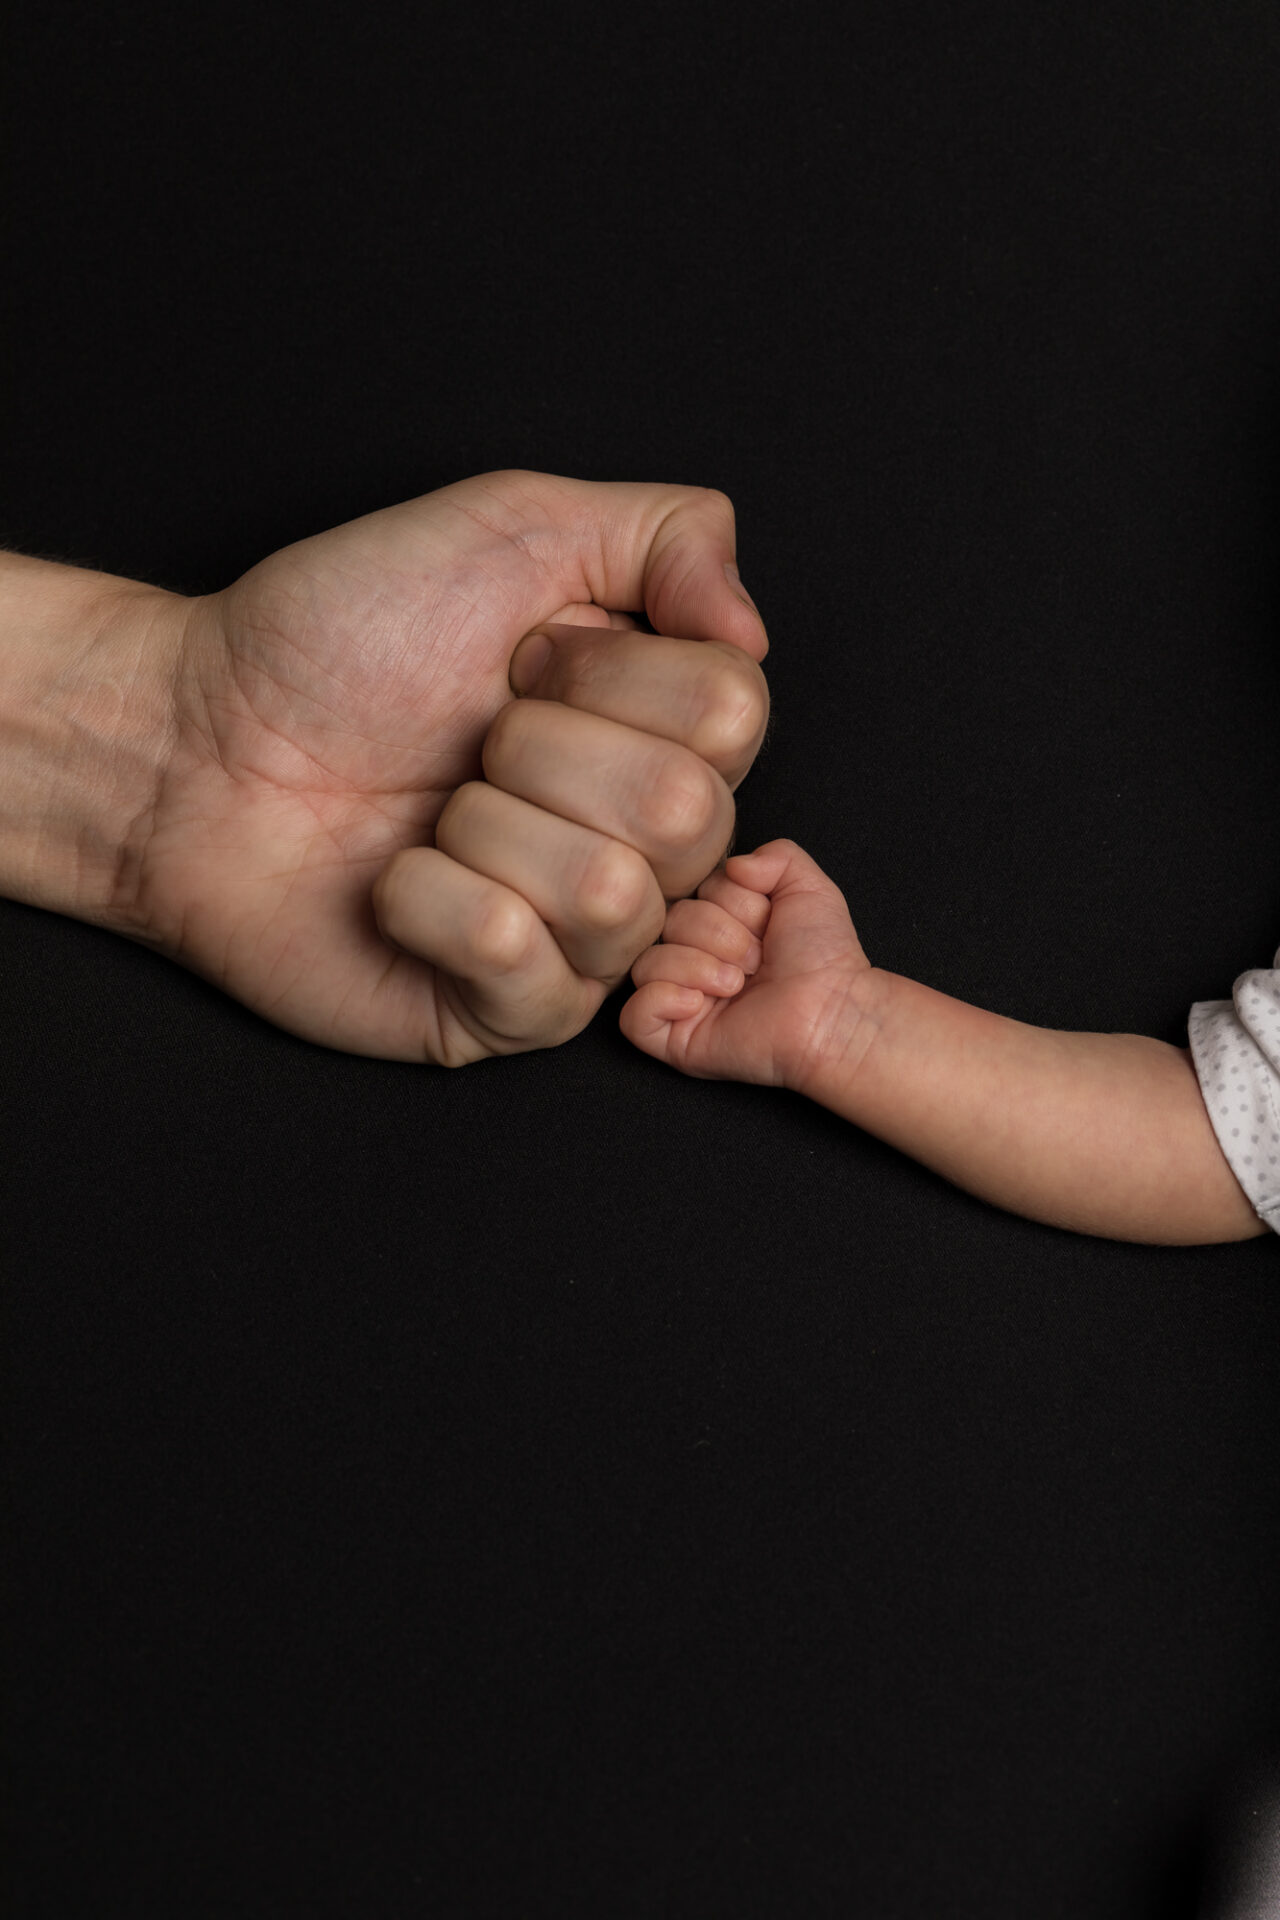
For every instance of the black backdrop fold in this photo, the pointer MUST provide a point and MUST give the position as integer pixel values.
(561, 1487)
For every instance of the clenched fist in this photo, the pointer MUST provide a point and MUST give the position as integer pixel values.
(423, 790)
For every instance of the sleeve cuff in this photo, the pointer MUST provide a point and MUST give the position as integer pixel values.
(1233, 1043)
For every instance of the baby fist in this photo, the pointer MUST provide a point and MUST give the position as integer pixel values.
(758, 976)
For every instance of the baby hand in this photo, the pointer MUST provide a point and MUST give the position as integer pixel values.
(758, 976)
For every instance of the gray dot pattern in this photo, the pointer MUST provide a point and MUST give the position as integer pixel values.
(1235, 1047)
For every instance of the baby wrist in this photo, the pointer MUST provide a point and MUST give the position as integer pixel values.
(826, 1065)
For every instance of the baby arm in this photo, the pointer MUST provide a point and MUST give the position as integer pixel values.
(1100, 1133)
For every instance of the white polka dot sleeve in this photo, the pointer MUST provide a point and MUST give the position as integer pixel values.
(1235, 1046)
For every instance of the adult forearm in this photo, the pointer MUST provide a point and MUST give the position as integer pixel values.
(86, 672)
(1101, 1133)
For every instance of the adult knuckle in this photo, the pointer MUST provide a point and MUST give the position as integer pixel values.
(734, 709)
(613, 888)
(502, 933)
(682, 800)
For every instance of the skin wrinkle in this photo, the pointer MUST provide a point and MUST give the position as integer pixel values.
(428, 647)
(292, 877)
(292, 646)
(263, 727)
(658, 575)
(525, 543)
(713, 500)
(842, 1029)
(569, 535)
(280, 777)
(340, 1007)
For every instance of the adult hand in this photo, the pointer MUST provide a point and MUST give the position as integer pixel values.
(361, 834)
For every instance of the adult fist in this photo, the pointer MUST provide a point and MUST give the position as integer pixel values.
(364, 835)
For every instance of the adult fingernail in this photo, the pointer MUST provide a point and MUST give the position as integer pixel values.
(527, 662)
(735, 581)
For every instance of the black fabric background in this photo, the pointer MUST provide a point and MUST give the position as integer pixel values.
(562, 1487)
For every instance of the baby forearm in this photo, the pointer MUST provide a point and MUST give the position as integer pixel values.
(1100, 1133)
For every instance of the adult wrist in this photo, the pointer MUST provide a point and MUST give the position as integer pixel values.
(88, 665)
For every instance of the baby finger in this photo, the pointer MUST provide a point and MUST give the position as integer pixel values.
(752, 909)
(701, 923)
(689, 967)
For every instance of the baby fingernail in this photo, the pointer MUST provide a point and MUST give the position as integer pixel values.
(729, 977)
(754, 955)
